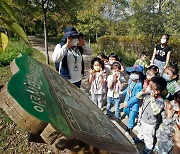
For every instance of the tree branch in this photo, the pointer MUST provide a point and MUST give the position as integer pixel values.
(38, 2)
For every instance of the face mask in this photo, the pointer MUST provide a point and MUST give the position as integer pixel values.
(148, 90)
(134, 76)
(163, 40)
(175, 106)
(166, 77)
(97, 68)
(115, 72)
(111, 62)
(74, 42)
(148, 77)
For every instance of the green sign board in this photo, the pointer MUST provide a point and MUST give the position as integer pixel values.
(44, 94)
(30, 88)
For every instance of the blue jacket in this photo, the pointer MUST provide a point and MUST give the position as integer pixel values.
(130, 95)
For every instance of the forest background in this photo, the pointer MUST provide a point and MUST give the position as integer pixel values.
(127, 27)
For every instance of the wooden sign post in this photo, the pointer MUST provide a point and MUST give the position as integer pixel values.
(41, 101)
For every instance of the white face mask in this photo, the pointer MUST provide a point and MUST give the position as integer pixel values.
(163, 40)
(134, 76)
(175, 106)
(148, 90)
(115, 72)
(74, 42)
(166, 77)
(111, 61)
(148, 77)
(97, 68)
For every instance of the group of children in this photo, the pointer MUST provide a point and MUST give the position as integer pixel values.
(152, 99)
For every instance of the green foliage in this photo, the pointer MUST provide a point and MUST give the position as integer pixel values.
(91, 20)
(111, 43)
(128, 57)
(16, 28)
(3, 41)
(56, 40)
(122, 45)
(8, 10)
(140, 23)
(130, 47)
(12, 23)
(147, 19)
(175, 43)
(12, 51)
(153, 18)
(108, 43)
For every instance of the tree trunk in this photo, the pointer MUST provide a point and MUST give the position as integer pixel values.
(45, 37)
(89, 39)
(96, 36)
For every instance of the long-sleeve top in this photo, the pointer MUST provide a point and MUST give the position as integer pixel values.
(72, 53)
(164, 134)
(151, 108)
(141, 62)
(172, 87)
(96, 86)
(130, 95)
(116, 88)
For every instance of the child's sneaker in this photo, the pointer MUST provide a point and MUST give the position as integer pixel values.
(136, 127)
(156, 149)
(146, 151)
(103, 108)
(117, 120)
(137, 140)
(128, 130)
(108, 115)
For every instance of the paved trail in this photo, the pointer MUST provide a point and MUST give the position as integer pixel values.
(39, 45)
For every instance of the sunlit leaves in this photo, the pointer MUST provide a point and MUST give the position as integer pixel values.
(12, 21)
(3, 41)
(16, 28)
(8, 10)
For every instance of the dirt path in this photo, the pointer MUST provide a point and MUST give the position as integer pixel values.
(38, 44)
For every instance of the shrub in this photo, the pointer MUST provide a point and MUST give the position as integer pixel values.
(108, 44)
(13, 50)
(57, 39)
(130, 47)
(175, 43)
(122, 45)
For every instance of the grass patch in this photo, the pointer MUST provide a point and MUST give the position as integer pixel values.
(39, 56)
(12, 51)
(5, 74)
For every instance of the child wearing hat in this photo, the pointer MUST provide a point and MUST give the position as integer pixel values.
(131, 102)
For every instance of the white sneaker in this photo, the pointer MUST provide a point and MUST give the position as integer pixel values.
(126, 117)
(103, 108)
(126, 133)
(136, 127)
